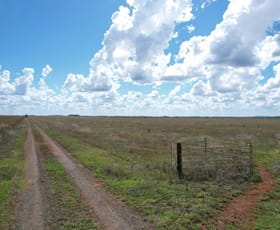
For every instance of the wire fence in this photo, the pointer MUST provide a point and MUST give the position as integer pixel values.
(7, 128)
(206, 160)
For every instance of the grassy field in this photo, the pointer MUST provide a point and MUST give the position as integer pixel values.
(10, 119)
(11, 169)
(132, 157)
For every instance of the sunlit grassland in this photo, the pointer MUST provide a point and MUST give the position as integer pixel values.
(146, 187)
(132, 157)
(11, 172)
(9, 119)
(268, 212)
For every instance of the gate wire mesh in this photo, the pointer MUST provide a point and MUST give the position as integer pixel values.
(209, 160)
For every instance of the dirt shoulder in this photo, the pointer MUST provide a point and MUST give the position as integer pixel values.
(29, 212)
(110, 213)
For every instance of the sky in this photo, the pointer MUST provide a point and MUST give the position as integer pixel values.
(140, 57)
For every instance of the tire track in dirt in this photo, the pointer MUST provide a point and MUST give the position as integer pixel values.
(241, 209)
(111, 214)
(30, 208)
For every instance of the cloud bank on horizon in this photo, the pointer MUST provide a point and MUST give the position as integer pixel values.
(233, 70)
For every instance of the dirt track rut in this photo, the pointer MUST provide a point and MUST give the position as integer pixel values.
(30, 208)
(110, 213)
(240, 210)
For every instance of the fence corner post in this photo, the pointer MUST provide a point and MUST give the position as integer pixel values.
(179, 161)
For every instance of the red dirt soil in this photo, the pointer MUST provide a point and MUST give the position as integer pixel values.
(241, 209)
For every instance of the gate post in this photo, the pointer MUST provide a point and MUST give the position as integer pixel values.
(179, 161)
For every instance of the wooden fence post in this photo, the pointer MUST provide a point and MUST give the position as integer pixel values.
(171, 155)
(251, 159)
(205, 145)
(179, 161)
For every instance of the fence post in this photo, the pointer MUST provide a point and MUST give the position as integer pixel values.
(179, 161)
(205, 145)
(251, 159)
(171, 155)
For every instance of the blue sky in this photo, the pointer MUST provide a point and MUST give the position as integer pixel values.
(148, 57)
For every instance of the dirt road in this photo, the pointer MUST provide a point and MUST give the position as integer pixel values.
(110, 213)
(30, 208)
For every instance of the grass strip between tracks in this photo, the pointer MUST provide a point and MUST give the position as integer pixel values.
(66, 210)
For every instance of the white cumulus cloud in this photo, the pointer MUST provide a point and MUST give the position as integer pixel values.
(133, 47)
(46, 70)
(20, 86)
(5, 86)
(207, 3)
(218, 74)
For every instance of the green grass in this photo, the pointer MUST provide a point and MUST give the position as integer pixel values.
(64, 200)
(145, 185)
(132, 157)
(66, 204)
(11, 175)
(268, 212)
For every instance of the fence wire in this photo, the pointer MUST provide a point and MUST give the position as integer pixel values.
(206, 160)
